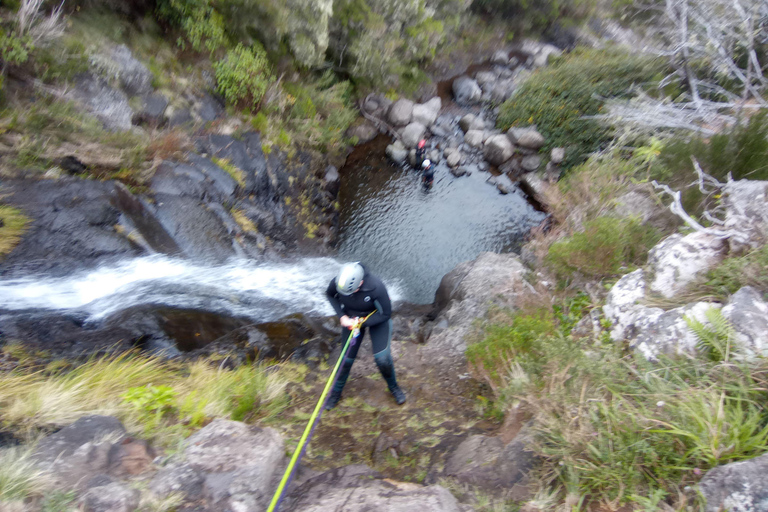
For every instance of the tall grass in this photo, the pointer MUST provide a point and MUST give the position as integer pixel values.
(20, 477)
(38, 400)
(612, 429)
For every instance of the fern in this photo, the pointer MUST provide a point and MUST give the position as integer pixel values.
(715, 338)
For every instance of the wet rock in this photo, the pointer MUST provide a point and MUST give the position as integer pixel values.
(453, 158)
(224, 183)
(426, 113)
(459, 171)
(178, 478)
(502, 188)
(557, 155)
(438, 131)
(360, 489)
(108, 105)
(114, 497)
(152, 112)
(678, 260)
(412, 134)
(498, 149)
(746, 213)
(526, 137)
(400, 113)
(474, 138)
(500, 58)
(748, 314)
(737, 486)
(466, 90)
(530, 163)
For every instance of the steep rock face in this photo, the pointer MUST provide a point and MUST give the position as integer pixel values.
(465, 293)
(737, 486)
(360, 489)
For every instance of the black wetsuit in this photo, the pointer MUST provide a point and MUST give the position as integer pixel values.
(428, 176)
(421, 155)
(371, 296)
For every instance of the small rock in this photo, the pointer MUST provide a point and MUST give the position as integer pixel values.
(530, 163)
(526, 137)
(557, 155)
(500, 58)
(459, 171)
(453, 159)
(474, 138)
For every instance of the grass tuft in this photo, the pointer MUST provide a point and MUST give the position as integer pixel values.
(12, 225)
(20, 476)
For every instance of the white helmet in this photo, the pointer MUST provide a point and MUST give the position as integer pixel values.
(349, 278)
(426, 163)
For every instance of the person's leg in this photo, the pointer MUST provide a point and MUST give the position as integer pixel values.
(346, 367)
(381, 338)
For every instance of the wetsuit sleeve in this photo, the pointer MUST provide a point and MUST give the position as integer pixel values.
(383, 306)
(331, 293)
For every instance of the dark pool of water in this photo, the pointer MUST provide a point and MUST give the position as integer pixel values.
(413, 237)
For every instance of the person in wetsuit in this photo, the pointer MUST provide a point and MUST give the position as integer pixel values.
(355, 293)
(427, 173)
(421, 153)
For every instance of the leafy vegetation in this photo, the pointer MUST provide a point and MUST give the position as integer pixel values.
(244, 75)
(613, 429)
(605, 248)
(558, 98)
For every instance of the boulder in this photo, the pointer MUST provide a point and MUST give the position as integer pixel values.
(412, 134)
(530, 163)
(746, 213)
(153, 111)
(108, 105)
(678, 260)
(738, 486)
(178, 478)
(426, 113)
(485, 77)
(113, 497)
(377, 105)
(471, 122)
(526, 137)
(557, 155)
(240, 462)
(474, 138)
(488, 463)
(459, 171)
(503, 89)
(465, 294)
(500, 58)
(360, 489)
(362, 130)
(498, 149)
(453, 159)
(748, 314)
(466, 91)
(397, 152)
(400, 113)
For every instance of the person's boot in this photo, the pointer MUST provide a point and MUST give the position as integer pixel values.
(398, 393)
(332, 400)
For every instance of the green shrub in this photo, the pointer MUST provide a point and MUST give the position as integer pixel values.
(244, 75)
(537, 13)
(14, 49)
(202, 24)
(605, 247)
(557, 98)
(736, 272)
(742, 150)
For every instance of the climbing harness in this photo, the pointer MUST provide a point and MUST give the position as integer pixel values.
(310, 428)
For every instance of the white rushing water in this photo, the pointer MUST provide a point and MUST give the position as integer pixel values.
(263, 292)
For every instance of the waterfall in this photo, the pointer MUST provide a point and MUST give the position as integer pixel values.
(261, 291)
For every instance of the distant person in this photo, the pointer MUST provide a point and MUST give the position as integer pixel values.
(421, 153)
(427, 173)
(355, 293)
